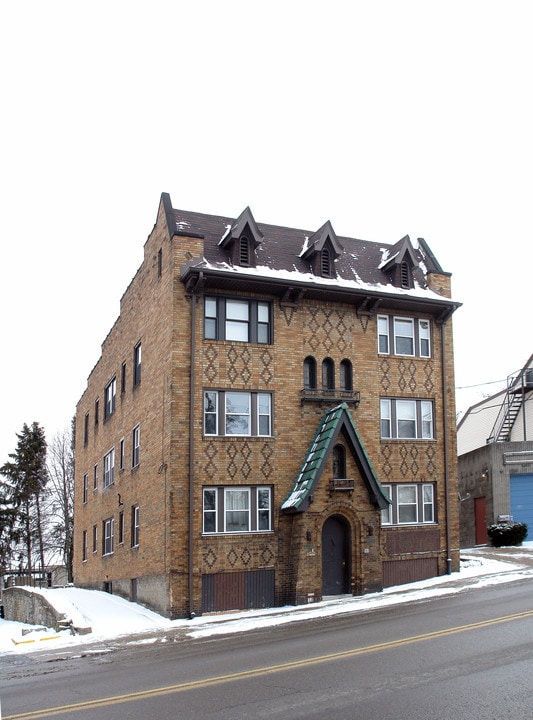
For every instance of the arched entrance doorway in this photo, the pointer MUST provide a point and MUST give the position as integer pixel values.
(335, 556)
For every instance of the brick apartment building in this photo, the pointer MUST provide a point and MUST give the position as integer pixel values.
(271, 420)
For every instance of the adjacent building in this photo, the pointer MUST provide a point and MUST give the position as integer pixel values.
(495, 448)
(271, 420)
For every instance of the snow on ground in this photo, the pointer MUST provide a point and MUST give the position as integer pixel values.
(111, 617)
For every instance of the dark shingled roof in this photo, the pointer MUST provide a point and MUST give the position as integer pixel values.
(283, 246)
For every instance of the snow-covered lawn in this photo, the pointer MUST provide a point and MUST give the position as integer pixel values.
(111, 617)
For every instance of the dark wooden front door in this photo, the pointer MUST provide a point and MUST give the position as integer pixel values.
(335, 556)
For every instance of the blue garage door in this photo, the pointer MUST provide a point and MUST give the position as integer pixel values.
(522, 501)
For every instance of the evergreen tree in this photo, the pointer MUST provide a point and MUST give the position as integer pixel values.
(26, 476)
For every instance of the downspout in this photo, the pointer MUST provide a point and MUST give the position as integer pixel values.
(191, 450)
(445, 438)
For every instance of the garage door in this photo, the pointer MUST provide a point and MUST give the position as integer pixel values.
(522, 501)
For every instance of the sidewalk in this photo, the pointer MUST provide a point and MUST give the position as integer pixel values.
(115, 621)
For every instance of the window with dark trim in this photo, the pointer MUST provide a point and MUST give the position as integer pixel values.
(123, 379)
(84, 546)
(95, 477)
(310, 373)
(85, 488)
(121, 454)
(237, 319)
(406, 419)
(339, 462)
(137, 363)
(411, 504)
(86, 429)
(236, 509)
(405, 336)
(346, 376)
(96, 411)
(229, 412)
(121, 528)
(95, 539)
(328, 374)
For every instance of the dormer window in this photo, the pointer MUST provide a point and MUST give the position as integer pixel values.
(244, 250)
(321, 250)
(405, 275)
(325, 262)
(399, 263)
(242, 239)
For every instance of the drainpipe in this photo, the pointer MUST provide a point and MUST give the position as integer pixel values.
(445, 438)
(191, 448)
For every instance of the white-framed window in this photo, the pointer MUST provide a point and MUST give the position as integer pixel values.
(108, 536)
(404, 336)
(229, 412)
(109, 468)
(237, 509)
(406, 419)
(136, 446)
(95, 477)
(383, 334)
(85, 488)
(411, 504)
(135, 526)
(121, 454)
(424, 338)
(237, 319)
(95, 539)
(110, 398)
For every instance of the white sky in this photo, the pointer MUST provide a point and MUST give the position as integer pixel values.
(110, 616)
(387, 118)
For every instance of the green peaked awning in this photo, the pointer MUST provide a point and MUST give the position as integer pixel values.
(334, 421)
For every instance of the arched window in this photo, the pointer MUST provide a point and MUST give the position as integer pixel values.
(328, 374)
(310, 373)
(346, 381)
(339, 462)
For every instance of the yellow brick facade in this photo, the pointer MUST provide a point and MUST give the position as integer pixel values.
(178, 569)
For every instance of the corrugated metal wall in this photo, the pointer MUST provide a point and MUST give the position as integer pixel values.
(238, 590)
(398, 572)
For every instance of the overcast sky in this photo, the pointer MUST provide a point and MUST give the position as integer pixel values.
(387, 118)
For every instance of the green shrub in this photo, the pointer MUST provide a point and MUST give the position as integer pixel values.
(509, 533)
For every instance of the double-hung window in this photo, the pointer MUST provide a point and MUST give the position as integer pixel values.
(108, 536)
(237, 509)
(237, 320)
(405, 419)
(404, 336)
(237, 413)
(110, 397)
(135, 526)
(136, 446)
(411, 504)
(109, 468)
